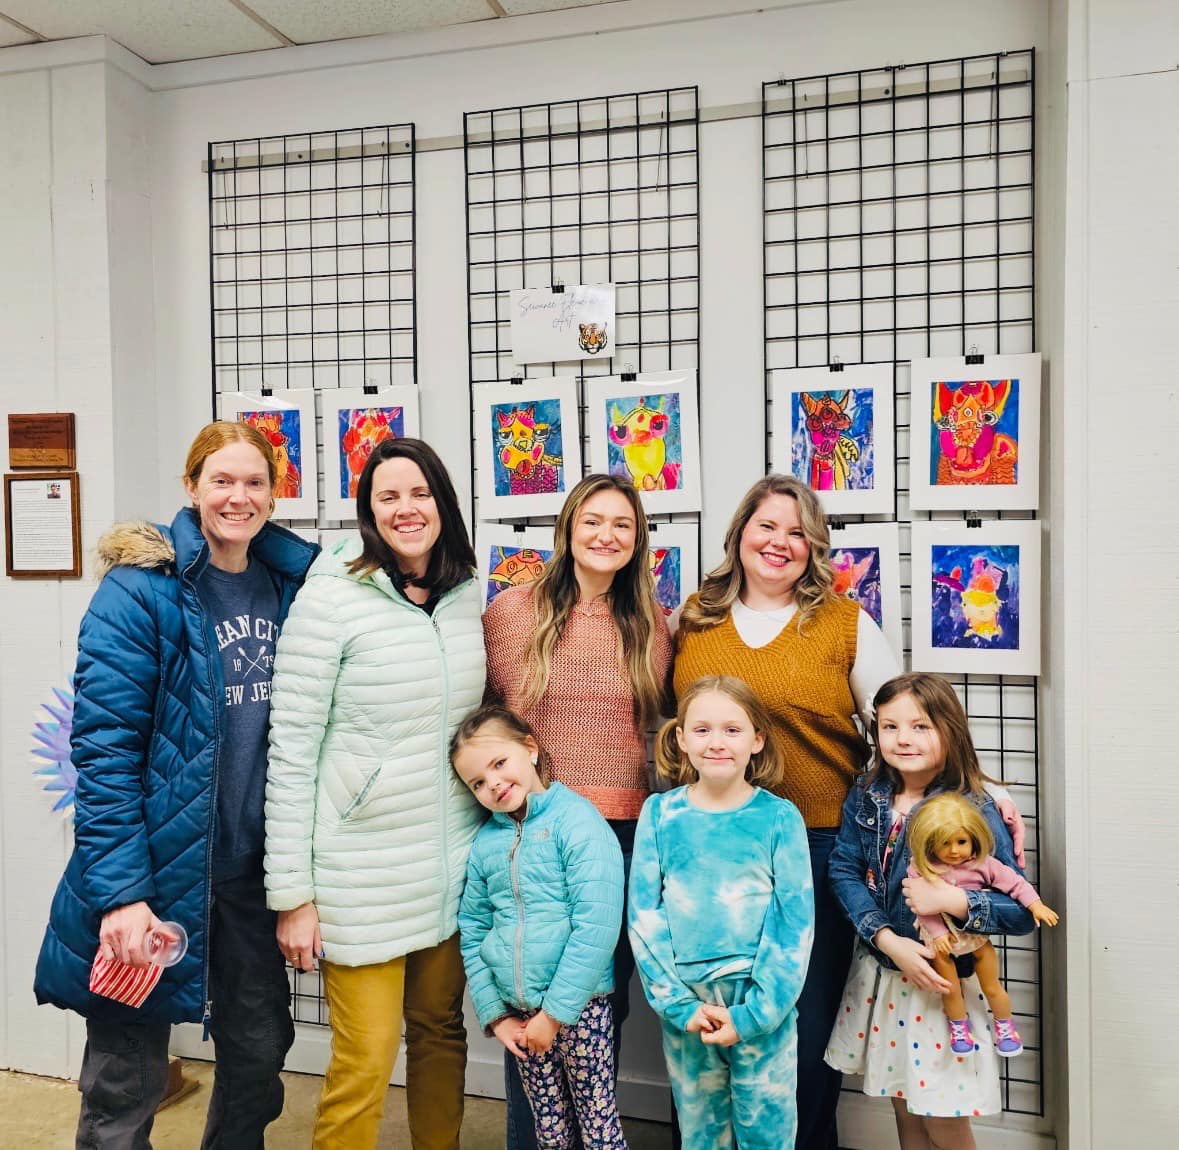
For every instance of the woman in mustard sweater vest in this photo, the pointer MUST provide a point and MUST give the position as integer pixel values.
(583, 655)
(768, 615)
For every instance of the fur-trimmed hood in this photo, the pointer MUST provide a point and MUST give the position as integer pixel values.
(153, 547)
(134, 544)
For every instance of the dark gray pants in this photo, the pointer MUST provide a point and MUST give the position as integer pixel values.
(125, 1066)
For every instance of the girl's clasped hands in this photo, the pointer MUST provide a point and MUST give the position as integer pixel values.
(714, 1025)
(522, 1037)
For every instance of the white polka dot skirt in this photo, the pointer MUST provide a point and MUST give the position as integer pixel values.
(897, 1037)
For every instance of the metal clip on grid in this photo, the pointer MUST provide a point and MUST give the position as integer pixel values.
(629, 375)
(974, 357)
(835, 364)
(558, 287)
(973, 519)
(370, 388)
(516, 380)
(267, 392)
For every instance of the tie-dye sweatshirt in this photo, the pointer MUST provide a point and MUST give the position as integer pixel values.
(722, 895)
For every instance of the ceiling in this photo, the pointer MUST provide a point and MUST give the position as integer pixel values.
(164, 31)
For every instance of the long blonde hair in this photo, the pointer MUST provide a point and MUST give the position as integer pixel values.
(935, 820)
(767, 767)
(632, 604)
(723, 584)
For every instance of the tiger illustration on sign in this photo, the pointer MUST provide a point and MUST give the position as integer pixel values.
(592, 337)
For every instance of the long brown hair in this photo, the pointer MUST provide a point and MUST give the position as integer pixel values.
(766, 768)
(632, 604)
(961, 770)
(452, 559)
(723, 584)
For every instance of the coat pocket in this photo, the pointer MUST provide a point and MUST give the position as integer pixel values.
(368, 784)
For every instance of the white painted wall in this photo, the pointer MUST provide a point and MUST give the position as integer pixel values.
(86, 153)
(1120, 650)
(64, 320)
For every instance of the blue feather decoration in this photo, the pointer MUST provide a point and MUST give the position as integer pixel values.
(54, 736)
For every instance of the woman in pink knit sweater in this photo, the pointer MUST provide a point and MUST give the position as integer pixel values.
(583, 655)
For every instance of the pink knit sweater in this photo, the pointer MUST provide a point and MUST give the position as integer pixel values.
(585, 720)
(990, 873)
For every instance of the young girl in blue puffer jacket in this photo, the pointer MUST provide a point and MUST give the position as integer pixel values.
(538, 923)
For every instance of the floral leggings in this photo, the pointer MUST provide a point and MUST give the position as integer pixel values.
(576, 1077)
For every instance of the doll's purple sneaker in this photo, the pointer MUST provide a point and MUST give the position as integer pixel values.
(961, 1040)
(1007, 1043)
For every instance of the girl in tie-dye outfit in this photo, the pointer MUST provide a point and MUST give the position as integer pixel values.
(721, 919)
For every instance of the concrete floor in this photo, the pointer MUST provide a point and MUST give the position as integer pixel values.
(41, 1113)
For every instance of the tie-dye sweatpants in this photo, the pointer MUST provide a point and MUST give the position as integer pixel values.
(740, 1095)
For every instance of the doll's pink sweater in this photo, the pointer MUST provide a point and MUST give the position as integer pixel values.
(977, 876)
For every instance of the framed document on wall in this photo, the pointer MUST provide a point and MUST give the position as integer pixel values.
(42, 525)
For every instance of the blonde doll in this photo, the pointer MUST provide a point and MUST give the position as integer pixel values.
(950, 842)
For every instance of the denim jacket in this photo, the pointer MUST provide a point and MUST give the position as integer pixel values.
(858, 860)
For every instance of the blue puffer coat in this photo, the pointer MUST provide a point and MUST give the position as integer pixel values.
(542, 909)
(147, 716)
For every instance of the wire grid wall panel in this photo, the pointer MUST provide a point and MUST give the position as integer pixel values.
(898, 215)
(592, 191)
(312, 260)
(312, 284)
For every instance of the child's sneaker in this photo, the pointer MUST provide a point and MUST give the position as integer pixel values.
(961, 1040)
(1007, 1043)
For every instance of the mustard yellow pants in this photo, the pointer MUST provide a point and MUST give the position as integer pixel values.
(367, 1004)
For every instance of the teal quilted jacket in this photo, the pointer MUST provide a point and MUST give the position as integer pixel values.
(542, 909)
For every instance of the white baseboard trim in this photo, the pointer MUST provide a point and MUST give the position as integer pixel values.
(637, 1098)
(864, 1123)
(867, 1124)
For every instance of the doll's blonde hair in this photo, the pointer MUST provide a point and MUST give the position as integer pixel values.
(766, 767)
(936, 820)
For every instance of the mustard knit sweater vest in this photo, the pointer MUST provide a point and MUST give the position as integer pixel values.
(803, 681)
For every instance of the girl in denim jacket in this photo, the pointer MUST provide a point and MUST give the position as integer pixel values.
(891, 1027)
(538, 924)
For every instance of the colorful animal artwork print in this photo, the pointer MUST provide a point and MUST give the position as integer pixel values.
(282, 429)
(360, 430)
(514, 567)
(857, 577)
(975, 433)
(976, 597)
(592, 337)
(832, 447)
(667, 572)
(644, 441)
(527, 448)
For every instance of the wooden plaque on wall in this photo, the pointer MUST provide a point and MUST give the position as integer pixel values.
(42, 525)
(42, 440)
